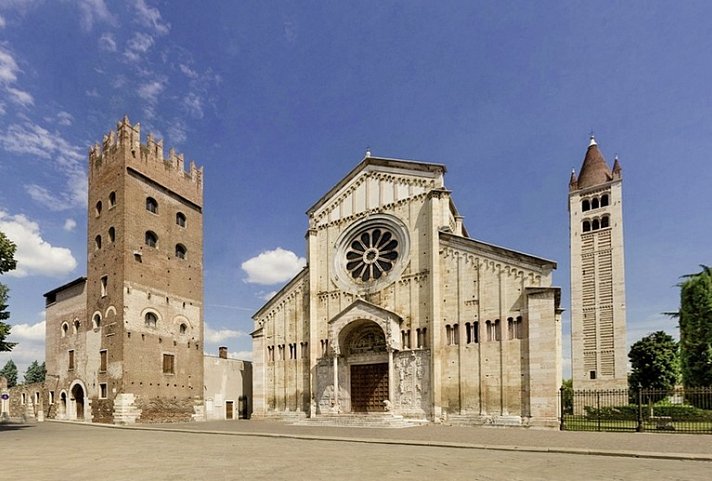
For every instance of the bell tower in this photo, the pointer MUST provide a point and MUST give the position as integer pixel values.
(598, 323)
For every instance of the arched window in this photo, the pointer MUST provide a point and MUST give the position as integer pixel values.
(76, 326)
(183, 328)
(97, 242)
(180, 219)
(586, 226)
(151, 239)
(594, 203)
(151, 205)
(65, 328)
(596, 225)
(585, 205)
(112, 199)
(150, 319)
(604, 200)
(181, 251)
(112, 234)
(604, 222)
(96, 321)
(97, 209)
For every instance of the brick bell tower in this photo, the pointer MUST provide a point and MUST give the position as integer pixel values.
(144, 280)
(598, 320)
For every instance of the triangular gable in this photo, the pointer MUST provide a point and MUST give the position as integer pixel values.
(361, 310)
(365, 310)
(374, 183)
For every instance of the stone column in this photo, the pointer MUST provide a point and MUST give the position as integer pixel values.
(336, 383)
(390, 378)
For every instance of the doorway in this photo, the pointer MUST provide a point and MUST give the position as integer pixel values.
(369, 387)
(229, 410)
(78, 395)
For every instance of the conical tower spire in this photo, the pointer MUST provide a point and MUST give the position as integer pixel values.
(594, 170)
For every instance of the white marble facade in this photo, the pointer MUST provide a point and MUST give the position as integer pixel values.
(400, 311)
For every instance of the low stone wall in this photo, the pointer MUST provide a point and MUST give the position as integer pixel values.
(158, 410)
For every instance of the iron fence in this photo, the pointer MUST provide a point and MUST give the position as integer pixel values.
(679, 410)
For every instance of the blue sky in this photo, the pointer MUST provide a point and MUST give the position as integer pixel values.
(279, 100)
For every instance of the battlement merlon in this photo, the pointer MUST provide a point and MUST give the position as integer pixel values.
(127, 137)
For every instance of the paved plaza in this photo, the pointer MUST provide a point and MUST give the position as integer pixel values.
(267, 450)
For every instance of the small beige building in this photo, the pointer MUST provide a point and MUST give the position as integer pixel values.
(400, 310)
(228, 387)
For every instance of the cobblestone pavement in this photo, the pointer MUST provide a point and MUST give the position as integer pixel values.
(51, 451)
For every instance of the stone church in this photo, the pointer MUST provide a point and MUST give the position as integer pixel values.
(400, 311)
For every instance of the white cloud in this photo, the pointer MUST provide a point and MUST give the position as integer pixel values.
(93, 11)
(221, 335)
(28, 332)
(273, 267)
(107, 42)
(70, 225)
(20, 96)
(189, 72)
(151, 90)
(177, 132)
(2, 22)
(269, 295)
(23, 354)
(8, 66)
(151, 17)
(137, 46)
(34, 255)
(31, 139)
(241, 355)
(92, 93)
(193, 104)
(65, 119)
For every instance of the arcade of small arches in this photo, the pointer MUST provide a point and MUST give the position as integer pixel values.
(492, 331)
(595, 202)
(596, 223)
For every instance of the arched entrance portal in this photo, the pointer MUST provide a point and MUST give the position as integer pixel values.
(78, 395)
(365, 351)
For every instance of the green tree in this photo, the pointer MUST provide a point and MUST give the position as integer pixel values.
(654, 362)
(7, 263)
(695, 317)
(35, 372)
(568, 397)
(9, 372)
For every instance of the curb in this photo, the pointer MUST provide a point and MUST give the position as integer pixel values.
(410, 442)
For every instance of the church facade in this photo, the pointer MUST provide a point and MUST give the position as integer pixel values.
(400, 311)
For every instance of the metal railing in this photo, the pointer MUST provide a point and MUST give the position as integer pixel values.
(679, 410)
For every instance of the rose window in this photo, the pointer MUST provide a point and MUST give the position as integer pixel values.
(371, 254)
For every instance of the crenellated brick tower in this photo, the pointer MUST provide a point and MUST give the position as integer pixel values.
(598, 321)
(144, 281)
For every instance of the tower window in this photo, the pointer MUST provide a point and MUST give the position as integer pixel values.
(70, 360)
(65, 328)
(102, 360)
(97, 242)
(596, 224)
(605, 221)
(150, 319)
(151, 239)
(586, 226)
(604, 200)
(594, 203)
(98, 208)
(112, 199)
(180, 219)
(112, 234)
(96, 321)
(104, 285)
(183, 328)
(585, 205)
(151, 205)
(181, 251)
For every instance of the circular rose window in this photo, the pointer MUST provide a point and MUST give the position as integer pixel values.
(370, 253)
